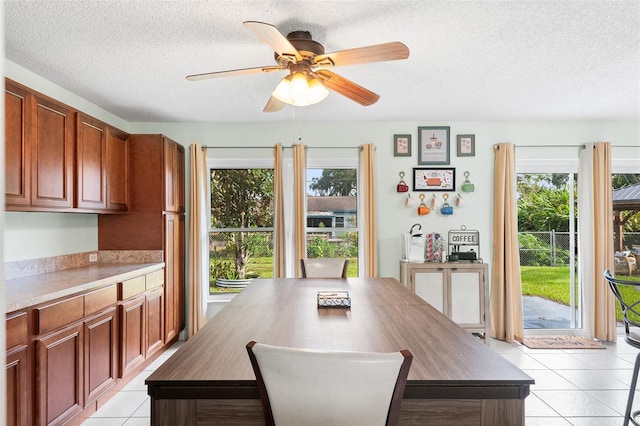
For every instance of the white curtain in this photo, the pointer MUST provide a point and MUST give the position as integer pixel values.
(595, 240)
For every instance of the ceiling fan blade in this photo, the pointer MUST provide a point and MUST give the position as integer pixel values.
(229, 73)
(347, 88)
(391, 51)
(273, 105)
(270, 35)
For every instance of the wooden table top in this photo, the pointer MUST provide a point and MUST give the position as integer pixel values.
(384, 317)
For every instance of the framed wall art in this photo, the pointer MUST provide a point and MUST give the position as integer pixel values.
(433, 145)
(434, 179)
(402, 145)
(466, 145)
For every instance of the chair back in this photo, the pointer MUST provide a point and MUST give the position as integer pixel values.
(324, 268)
(628, 295)
(319, 387)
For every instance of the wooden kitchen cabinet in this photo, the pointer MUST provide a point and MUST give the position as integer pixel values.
(40, 139)
(59, 375)
(458, 290)
(100, 353)
(155, 321)
(102, 166)
(132, 334)
(59, 159)
(18, 372)
(17, 133)
(156, 218)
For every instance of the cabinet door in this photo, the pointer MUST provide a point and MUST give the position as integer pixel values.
(117, 170)
(17, 152)
(431, 286)
(17, 382)
(52, 145)
(91, 163)
(59, 372)
(100, 354)
(132, 334)
(155, 320)
(171, 257)
(170, 175)
(180, 181)
(467, 297)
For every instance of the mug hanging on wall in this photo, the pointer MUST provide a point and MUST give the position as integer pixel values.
(409, 202)
(423, 210)
(435, 203)
(467, 186)
(446, 208)
(402, 186)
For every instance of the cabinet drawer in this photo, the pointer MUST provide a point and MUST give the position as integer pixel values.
(155, 279)
(100, 299)
(131, 288)
(58, 314)
(17, 329)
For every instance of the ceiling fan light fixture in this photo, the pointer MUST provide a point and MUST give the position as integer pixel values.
(299, 90)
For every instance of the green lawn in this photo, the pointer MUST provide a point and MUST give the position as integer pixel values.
(552, 283)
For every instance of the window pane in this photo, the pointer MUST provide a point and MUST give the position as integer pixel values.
(332, 209)
(241, 198)
(239, 255)
(241, 235)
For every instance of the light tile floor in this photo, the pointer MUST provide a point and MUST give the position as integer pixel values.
(582, 387)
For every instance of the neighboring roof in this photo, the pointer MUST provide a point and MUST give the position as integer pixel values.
(331, 204)
(627, 198)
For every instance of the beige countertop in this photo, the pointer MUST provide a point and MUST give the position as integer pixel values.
(21, 293)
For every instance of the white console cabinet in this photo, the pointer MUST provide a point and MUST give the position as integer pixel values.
(458, 290)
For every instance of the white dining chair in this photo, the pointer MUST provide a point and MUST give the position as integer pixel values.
(324, 268)
(325, 388)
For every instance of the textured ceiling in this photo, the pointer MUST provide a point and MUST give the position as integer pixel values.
(470, 60)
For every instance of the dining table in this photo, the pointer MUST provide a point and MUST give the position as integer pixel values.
(454, 378)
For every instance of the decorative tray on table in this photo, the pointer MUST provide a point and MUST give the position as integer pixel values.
(334, 299)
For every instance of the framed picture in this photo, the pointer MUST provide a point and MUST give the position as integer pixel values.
(434, 179)
(466, 145)
(433, 145)
(402, 145)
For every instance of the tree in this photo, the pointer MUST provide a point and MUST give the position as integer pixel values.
(241, 199)
(335, 182)
(543, 202)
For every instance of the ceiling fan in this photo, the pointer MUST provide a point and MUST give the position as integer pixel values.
(308, 65)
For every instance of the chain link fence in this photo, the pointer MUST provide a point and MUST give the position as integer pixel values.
(552, 248)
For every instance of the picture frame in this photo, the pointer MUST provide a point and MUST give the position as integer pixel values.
(466, 146)
(434, 179)
(433, 145)
(402, 145)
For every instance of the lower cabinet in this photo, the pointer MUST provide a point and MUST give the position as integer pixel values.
(458, 290)
(59, 372)
(155, 320)
(100, 354)
(17, 385)
(132, 334)
(18, 369)
(63, 356)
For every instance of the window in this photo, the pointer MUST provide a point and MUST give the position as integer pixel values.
(241, 226)
(332, 212)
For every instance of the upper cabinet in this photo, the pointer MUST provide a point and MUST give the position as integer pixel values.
(39, 141)
(173, 176)
(57, 159)
(102, 157)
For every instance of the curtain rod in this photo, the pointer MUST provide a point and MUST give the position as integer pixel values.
(567, 146)
(204, 147)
